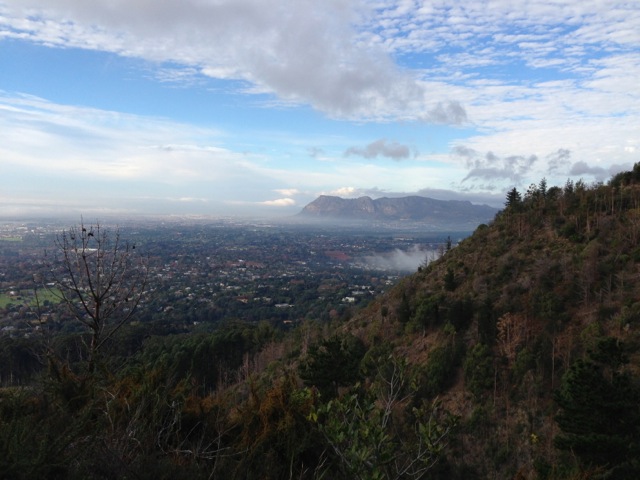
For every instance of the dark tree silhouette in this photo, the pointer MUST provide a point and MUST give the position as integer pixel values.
(514, 199)
(100, 279)
(600, 413)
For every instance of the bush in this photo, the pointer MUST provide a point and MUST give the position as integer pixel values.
(478, 370)
(438, 373)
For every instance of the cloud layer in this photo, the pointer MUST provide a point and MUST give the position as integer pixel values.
(302, 52)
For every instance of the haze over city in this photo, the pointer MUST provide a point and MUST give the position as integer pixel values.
(257, 107)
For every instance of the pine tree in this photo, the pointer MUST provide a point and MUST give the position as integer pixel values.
(600, 412)
(514, 199)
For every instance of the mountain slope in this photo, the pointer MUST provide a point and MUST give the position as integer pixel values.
(553, 278)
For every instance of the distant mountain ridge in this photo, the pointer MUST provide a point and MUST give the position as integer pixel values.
(411, 209)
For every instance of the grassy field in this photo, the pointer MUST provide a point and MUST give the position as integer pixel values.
(11, 239)
(28, 297)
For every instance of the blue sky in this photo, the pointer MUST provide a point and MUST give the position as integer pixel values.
(256, 107)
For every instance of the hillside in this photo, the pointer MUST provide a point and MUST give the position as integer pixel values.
(516, 354)
(516, 309)
(434, 214)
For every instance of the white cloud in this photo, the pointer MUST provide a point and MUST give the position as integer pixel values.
(287, 192)
(280, 202)
(86, 142)
(92, 157)
(345, 192)
(303, 52)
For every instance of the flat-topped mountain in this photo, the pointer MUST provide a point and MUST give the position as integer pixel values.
(412, 209)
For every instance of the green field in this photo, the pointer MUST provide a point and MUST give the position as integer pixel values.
(11, 239)
(28, 297)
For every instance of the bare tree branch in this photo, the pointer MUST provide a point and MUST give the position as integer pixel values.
(99, 278)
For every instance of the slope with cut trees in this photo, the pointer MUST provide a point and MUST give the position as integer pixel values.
(526, 306)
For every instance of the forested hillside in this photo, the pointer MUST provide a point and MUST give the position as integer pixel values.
(537, 316)
(516, 354)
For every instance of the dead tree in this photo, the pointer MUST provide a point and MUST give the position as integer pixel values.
(99, 278)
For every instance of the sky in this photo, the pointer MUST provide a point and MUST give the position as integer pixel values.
(257, 107)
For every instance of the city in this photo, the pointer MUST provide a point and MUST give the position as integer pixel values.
(203, 272)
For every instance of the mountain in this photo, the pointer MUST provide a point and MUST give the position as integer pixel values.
(528, 331)
(438, 214)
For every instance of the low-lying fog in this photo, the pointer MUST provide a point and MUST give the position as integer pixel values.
(400, 260)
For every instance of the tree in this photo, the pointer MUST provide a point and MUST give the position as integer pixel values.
(275, 435)
(332, 363)
(542, 188)
(514, 198)
(364, 430)
(99, 278)
(600, 412)
(479, 370)
(403, 309)
(450, 283)
(427, 312)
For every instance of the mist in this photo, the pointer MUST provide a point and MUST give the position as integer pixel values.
(400, 260)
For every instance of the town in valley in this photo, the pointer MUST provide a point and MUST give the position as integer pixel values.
(205, 271)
